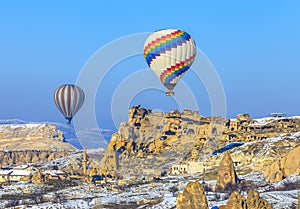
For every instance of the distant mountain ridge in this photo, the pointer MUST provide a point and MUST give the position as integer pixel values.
(91, 138)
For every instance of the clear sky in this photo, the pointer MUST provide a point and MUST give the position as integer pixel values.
(254, 46)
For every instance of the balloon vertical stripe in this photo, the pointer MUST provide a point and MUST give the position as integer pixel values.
(69, 99)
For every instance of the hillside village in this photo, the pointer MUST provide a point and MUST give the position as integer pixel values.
(153, 147)
(188, 137)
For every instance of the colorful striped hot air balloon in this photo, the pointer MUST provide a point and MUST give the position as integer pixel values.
(69, 99)
(169, 53)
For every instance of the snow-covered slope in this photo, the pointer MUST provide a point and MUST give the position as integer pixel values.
(91, 138)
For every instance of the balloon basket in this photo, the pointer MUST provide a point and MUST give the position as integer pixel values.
(170, 93)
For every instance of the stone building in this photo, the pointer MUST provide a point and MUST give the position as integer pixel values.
(180, 168)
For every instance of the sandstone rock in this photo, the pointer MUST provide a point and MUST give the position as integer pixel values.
(255, 202)
(172, 126)
(173, 114)
(192, 197)
(136, 116)
(291, 162)
(286, 166)
(110, 161)
(74, 167)
(151, 202)
(37, 177)
(30, 131)
(226, 173)
(236, 201)
(274, 173)
(142, 141)
(29, 156)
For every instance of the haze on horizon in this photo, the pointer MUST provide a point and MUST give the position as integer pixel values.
(254, 47)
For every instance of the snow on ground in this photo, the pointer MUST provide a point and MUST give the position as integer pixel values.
(280, 199)
(6, 127)
(74, 204)
(87, 196)
(168, 202)
(91, 138)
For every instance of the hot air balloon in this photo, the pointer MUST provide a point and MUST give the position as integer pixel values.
(69, 99)
(169, 53)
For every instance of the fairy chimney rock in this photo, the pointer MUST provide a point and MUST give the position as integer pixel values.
(253, 201)
(192, 197)
(226, 173)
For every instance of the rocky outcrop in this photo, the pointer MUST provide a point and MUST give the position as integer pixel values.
(253, 201)
(226, 173)
(137, 117)
(286, 166)
(37, 177)
(274, 173)
(237, 201)
(32, 137)
(291, 162)
(74, 168)
(192, 197)
(8, 158)
(30, 131)
(150, 140)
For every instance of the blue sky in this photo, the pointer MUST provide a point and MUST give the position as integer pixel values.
(254, 46)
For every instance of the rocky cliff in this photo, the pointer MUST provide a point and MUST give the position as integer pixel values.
(31, 143)
(29, 131)
(8, 158)
(32, 137)
(151, 142)
(288, 165)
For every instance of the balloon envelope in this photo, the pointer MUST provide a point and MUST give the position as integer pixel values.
(169, 53)
(69, 99)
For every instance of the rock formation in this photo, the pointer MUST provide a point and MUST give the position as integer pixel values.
(291, 162)
(288, 165)
(192, 197)
(226, 173)
(253, 201)
(136, 117)
(8, 158)
(150, 140)
(37, 177)
(30, 131)
(236, 201)
(32, 137)
(274, 173)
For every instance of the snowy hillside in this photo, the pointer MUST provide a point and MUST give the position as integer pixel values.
(146, 195)
(91, 138)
